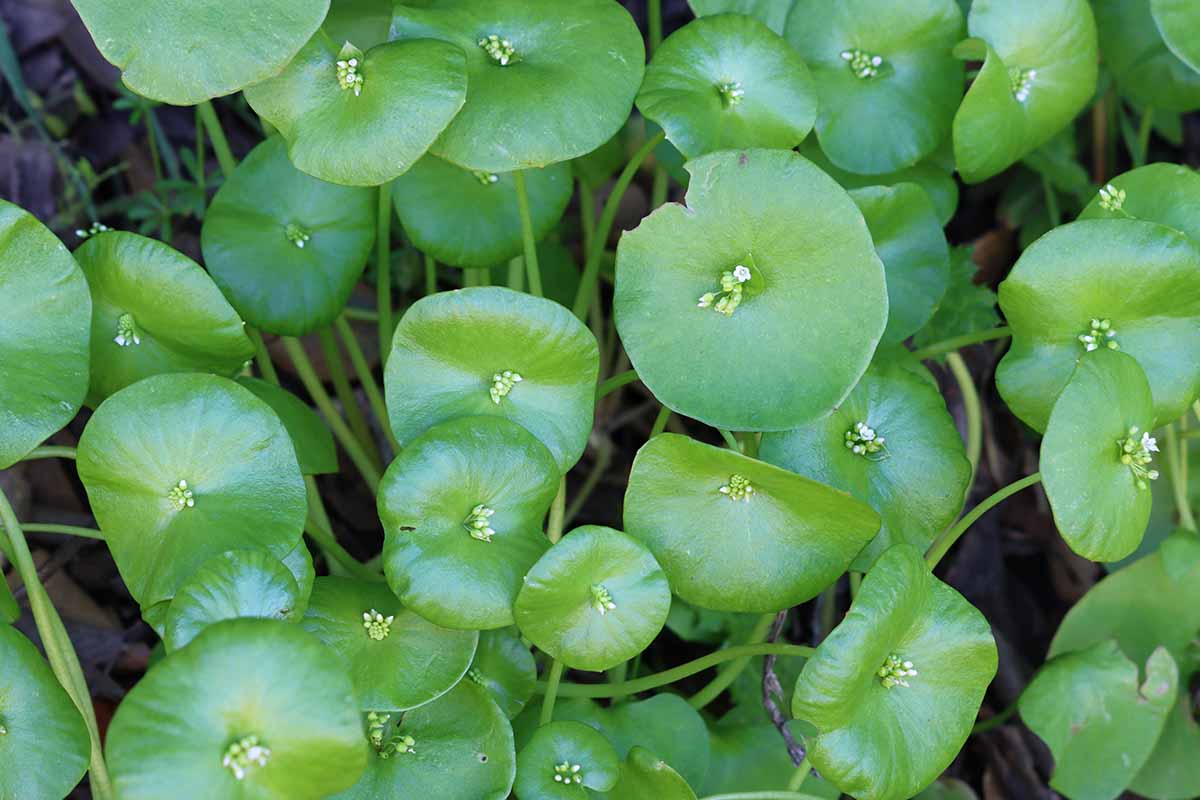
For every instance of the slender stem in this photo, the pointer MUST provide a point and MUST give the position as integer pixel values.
(730, 672)
(956, 342)
(360, 314)
(554, 525)
(616, 382)
(587, 214)
(216, 135)
(855, 582)
(335, 552)
(659, 187)
(1100, 138)
(995, 721)
(730, 440)
(383, 271)
(800, 775)
(1179, 486)
(262, 356)
(516, 274)
(654, 24)
(591, 269)
(552, 684)
(341, 385)
(946, 540)
(527, 240)
(68, 530)
(970, 397)
(1143, 137)
(660, 422)
(59, 651)
(366, 379)
(1052, 207)
(648, 682)
(50, 451)
(200, 176)
(152, 141)
(749, 443)
(604, 455)
(430, 275)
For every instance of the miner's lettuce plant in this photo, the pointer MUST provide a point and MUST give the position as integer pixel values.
(791, 302)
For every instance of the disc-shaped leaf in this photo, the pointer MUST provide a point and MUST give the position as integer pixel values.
(155, 311)
(1172, 771)
(563, 760)
(645, 776)
(284, 247)
(736, 534)
(364, 22)
(186, 52)
(492, 351)
(310, 435)
(916, 258)
(462, 746)
(725, 82)
(1096, 456)
(917, 479)
(1168, 194)
(471, 219)
(44, 334)
(462, 509)
(43, 742)
(772, 13)
(362, 124)
(396, 659)
(251, 696)
(555, 82)
(893, 691)
(1039, 71)
(505, 667)
(1146, 70)
(887, 81)
(1097, 720)
(768, 279)
(180, 468)
(594, 600)
(1179, 25)
(240, 583)
(1079, 273)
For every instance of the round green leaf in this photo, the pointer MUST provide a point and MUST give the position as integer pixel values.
(594, 600)
(1146, 71)
(645, 776)
(364, 22)
(180, 468)
(1179, 25)
(367, 132)
(1080, 272)
(184, 52)
(563, 760)
(44, 334)
(917, 482)
(470, 219)
(396, 659)
(1104, 415)
(239, 679)
(505, 667)
(811, 310)
(887, 81)
(284, 247)
(310, 435)
(916, 258)
(888, 737)
(240, 583)
(462, 746)
(43, 742)
(444, 555)
(1168, 194)
(1099, 723)
(1173, 771)
(452, 353)
(557, 81)
(772, 13)
(1039, 72)
(731, 547)
(155, 311)
(726, 82)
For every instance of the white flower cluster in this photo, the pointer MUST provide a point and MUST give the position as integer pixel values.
(567, 772)
(862, 440)
(500, 50)
(1021, 81)
(297, 235)
(1112, 198)
(894, 671)
(181, 496)
(502, 384)
(478, 523)
(243, 754)
(738, 488)
(378, 626)
(486, 178)
(348, 75)
(1100, 333)
(731, 92)
(730, 296)
(127, 331)
(1137, 453)
(87, 233)
(862, 64)
(602, 600)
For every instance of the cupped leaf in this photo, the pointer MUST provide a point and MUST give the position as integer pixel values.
(362, 123)
(725, 82)
(155, 311)
(299, 563)
(284, 247)
(251, 708)
(184, 53)
(180, 468)
(547, 81)
(916, 258)
(563, 760)
(492, 351)
(736, 534)
(1099, 723)
(396, 659)
(1168, 194)
(1172, 771)
(470, 218)
(908, 462)
(462, 509)
(886, 78)
(772, 13)
(893, 691)
(315, 450)
(759, 305)
(1075, 279)
(44, 333)
(594, 600)
(1146, 70)
(505, 667)
(1179, 25)
(43, 742)
(1096, 457)
(460, 745)
(240, 583)
(1039, 71)
(645, 776)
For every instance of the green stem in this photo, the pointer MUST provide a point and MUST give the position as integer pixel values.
(430, 275)
(383, 271)
(554, 525)
(262, 356)
(216, 135)
(345, 394)
(616, 382)
(730, 440)
(648, 682)
(201, 178)
(970, 397)
(591, 269)
(660, 422)
(659, 187)
(654, 24)
(800, 775)
(552, 684)
(946, 540)
(527, 240)
(995, 721)
(730, 672)
(360, 314)
(1179, 486)
(604, 455)
(1143, 137)
(956, 342)
(1052, 208)
(319, 527)
(50, 451)
(587, 214)
(57, 645)
(366, 379)
(68, 530)
(855, 583)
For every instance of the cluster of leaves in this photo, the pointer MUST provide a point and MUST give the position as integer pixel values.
(773, 306)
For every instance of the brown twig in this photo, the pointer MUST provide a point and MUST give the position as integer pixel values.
(771, 690)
